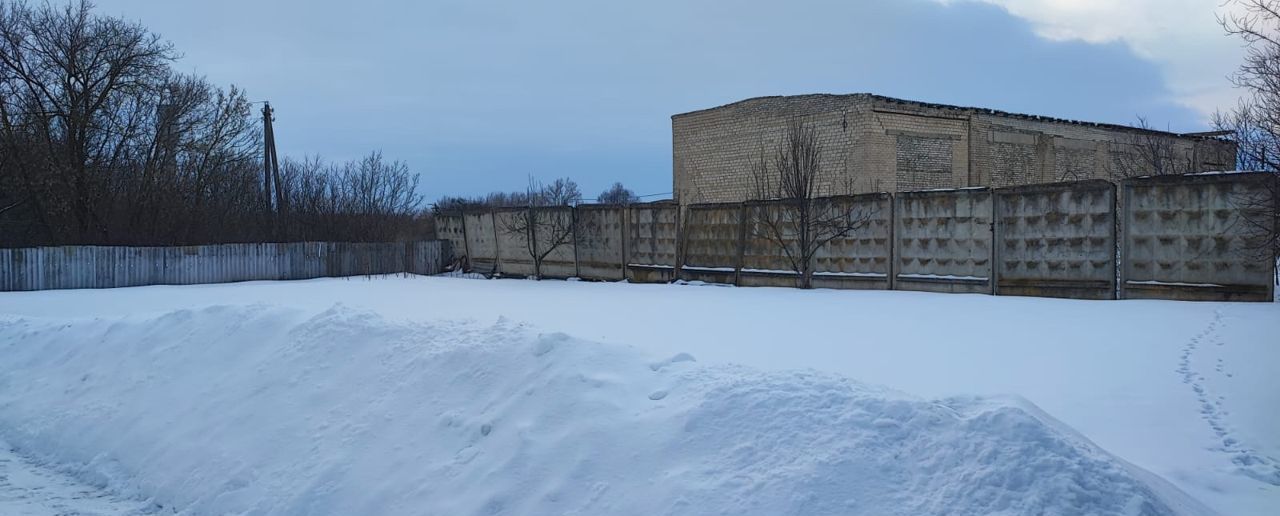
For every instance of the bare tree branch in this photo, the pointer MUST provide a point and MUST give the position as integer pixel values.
(794, 217)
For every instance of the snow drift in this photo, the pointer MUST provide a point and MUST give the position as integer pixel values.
(263, 410)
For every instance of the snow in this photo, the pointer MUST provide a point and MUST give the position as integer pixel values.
(650, 266)
(1171, 283)
(456, 396)
(708, 269)
(947, 277)
(771, 271)
(29, 489)
(818, 273)
(852, 274)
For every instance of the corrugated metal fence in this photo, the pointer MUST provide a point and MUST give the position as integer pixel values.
(49, 268)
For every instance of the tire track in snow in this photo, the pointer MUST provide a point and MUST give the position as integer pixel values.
(28, 489)
(1248, 461)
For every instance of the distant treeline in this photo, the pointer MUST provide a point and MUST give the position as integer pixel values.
(561, 192)
(103, 142)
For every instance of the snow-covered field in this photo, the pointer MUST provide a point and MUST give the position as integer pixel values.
(456, 396)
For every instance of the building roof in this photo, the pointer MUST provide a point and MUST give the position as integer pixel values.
(960, 109)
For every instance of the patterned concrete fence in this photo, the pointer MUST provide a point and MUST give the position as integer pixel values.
(652, 242)
(49, 268)
(711, 243)
(512, 244)
(942, 241)
(451, 228)
(762, 263)
(553, 241)
(1056, 240)
(859, 259)
(599, 239)
(482, 242)
(1186, 237)
(864, 257)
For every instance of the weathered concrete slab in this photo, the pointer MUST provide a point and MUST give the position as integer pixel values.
(1056, 240)
(1188, 237)
(942, 240)
(711, 236)
(651, 244)
(599, 240)
(482, 242)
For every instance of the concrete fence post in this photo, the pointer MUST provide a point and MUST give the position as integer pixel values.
(742, 244)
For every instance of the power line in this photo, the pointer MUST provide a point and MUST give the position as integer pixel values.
(654, 195)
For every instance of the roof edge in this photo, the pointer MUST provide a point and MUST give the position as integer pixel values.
(1195, 135)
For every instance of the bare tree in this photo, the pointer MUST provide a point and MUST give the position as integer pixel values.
(617, 194)
(1148, 152)
(543, 226)
(798, 220)
(103, 142)
(561, 192)
(79, 83)
(1255, 122)
(369, 199)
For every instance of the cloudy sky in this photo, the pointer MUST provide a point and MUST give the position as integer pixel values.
(477, 95)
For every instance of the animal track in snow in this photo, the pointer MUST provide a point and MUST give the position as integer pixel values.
(1248, 461)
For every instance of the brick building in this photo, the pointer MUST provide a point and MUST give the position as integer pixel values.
(872, 143)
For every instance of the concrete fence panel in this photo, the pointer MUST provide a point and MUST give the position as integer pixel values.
(711, 238)
(769, 226)
(599, 242)
(651, 243)
(75, 267)
(862, 258)
(858, 259)
(481, 241)
(513, 243)
(1189, 237)
(942, 240)
(555, 234)
(1056, 240)
(453, 229)
(552, 231)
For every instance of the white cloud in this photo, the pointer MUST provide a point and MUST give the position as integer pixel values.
(1182, 36)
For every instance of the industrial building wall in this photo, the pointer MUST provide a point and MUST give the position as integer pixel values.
(877, 144)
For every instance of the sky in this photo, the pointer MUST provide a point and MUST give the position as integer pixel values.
(477, 96)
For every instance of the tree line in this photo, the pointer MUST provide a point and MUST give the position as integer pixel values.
(560, 192)
(102, 141)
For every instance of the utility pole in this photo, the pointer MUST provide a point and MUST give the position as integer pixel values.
(267, 143)
(271, 165)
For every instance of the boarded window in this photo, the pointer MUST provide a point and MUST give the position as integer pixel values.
(923, 163)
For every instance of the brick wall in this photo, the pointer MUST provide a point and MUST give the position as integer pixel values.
(872, 144)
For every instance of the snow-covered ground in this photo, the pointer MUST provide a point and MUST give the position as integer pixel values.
(29, 489)
(442, 395)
